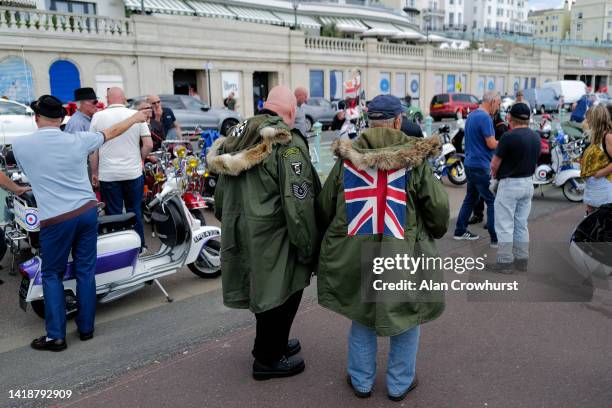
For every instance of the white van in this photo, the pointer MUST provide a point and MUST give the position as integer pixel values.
(16, 120)
(570, 90)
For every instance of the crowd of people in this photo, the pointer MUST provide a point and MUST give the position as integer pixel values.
(280, 224)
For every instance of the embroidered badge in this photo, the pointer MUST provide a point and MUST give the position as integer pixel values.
(297, 168)
(291, 151)
(300, 191)
(239, 129)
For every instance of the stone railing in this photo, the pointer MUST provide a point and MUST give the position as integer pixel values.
(15, 19)
(452, 55)
(399, 49)
(496, 58)
(335, 44)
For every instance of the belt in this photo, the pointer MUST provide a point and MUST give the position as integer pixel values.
(69, 215)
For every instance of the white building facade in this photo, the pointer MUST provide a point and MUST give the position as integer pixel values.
(502, 16)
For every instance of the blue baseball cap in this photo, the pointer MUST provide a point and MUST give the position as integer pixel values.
(385, 107)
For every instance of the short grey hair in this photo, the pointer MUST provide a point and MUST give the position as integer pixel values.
(374, 123)
(490, 96)
(139, 102)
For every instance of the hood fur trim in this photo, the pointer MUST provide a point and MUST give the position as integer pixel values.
(234, 164)
(388, 158)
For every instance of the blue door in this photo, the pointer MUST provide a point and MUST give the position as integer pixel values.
(64, 77)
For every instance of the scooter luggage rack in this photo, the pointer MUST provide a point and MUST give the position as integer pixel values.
(13, 238)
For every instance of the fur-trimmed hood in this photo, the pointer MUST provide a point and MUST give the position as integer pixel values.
(234, 163)
(397, 151)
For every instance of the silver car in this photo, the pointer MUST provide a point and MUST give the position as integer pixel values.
(190, 113)
(319, 109)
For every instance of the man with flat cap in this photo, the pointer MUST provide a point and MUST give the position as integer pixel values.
(81, 120)
(380, 193)
(265, 201)
(54, 162)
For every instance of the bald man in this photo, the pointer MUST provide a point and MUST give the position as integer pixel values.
(301, 96)
(265, 201)
(117, 166)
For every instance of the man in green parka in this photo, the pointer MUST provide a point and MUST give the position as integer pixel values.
(356, 210)
(265, 200)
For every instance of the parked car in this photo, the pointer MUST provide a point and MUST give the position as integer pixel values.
(570, 90)
(190, 113)
(319, 109)
(602, 98)
(449, 105)
(16, 120)
(542, 98)
(412, 112)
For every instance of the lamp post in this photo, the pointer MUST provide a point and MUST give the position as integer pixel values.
(295, 5)
(142, 7)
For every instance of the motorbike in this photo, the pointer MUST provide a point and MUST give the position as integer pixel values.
(186, 167)
(119, 269)
(591, 243)
(558, 165)
(449, 163)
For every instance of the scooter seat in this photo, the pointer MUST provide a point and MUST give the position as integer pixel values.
(113, 223)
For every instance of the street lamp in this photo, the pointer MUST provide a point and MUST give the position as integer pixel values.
(295, 5)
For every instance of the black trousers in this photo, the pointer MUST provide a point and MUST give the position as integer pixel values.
(273, 327)
(479, 208)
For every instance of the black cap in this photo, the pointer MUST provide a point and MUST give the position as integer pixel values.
(84, 94)
(520, 111)
(384, 107)
(49, 107)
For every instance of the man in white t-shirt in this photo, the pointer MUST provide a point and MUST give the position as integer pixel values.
(117, 165)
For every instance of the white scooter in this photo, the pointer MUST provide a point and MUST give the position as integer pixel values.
(119, 269)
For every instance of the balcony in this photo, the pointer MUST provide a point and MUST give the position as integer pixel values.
(46, 22)
(434, 12)
(454, 27)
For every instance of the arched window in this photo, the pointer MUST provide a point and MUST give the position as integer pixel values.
(16, 80)
(64, 78)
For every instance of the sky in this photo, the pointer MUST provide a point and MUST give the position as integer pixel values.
(544, 4)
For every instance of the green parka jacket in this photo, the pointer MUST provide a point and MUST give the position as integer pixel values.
(427, 217)
(265, 200)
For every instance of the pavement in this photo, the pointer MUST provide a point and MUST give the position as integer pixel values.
(195, 352)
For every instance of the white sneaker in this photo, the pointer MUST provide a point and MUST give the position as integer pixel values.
(467, 235)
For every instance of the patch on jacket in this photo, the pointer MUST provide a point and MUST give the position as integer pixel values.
(300, 191)
(291, 151)
(239, 129)
(297, 168)
(375, 200)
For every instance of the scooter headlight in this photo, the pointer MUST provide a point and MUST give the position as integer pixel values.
(201, 170)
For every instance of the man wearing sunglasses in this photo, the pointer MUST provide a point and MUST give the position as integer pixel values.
(165, 117)
(81, 120)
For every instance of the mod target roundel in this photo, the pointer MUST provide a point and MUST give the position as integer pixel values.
(31, 219)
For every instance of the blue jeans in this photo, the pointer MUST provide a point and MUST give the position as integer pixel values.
(512, 207)
(128, 193)
(78, 235)
(401, 363)
(477, 186)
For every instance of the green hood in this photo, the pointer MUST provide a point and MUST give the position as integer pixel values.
(250, 143)
(386, 149)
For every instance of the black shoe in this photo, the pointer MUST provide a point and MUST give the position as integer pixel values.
(475, 220)
(293, 347)
(467, 235)
(505, 268)
(285, 367)
(41, 343)
(86, 336)
(400, 397)
(521, 264)
(358, 393)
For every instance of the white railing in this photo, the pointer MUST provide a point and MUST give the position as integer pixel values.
(15, 19)
(451, 55)
(493, 58)
(399, 49)
(335, 44)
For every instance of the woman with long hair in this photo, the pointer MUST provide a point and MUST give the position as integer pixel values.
(596, 166)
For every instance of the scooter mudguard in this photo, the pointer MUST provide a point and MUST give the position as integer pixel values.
(194, 200)
(565, 175)
(199, 238)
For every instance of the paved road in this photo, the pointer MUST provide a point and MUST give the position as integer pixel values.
(195, 352)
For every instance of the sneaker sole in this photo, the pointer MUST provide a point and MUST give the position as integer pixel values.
(465, 239)
(268, 375)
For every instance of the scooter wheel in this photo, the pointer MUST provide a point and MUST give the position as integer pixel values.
(574, 192)
(203, 266)
(199, 215)
(71, 306)
(456, 175)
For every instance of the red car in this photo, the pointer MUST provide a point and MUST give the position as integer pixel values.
(448, 105)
